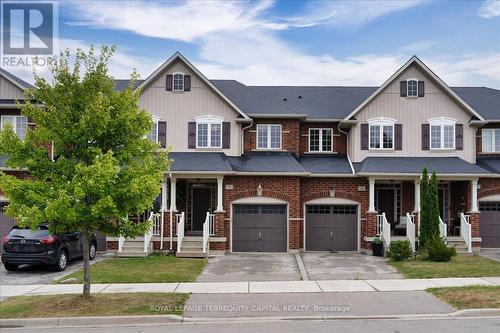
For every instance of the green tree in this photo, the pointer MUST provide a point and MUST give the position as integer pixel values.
(424, 208)
(103, 167)
(433, 223)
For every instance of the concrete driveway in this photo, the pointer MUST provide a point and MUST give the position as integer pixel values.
(251, 267)
(37, 274)
(491, 254)
(347, 266)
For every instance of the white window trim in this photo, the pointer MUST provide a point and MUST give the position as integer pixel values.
(268, 126)
(407, 87)
(493, 135)
(209, 120)
(321, 150)
(155, 120)
(381, 122)
(14, 124)
(442, 122)
(173, 81)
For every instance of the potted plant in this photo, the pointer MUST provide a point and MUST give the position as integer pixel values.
(378, 247)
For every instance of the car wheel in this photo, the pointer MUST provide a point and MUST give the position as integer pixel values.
(11, 267)
(92, 251)
(62, 261)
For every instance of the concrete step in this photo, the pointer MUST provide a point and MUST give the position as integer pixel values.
(191, 254)
(191, 247)
(132, 254)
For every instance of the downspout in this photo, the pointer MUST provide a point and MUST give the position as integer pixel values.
(243, 136)
(347, 145)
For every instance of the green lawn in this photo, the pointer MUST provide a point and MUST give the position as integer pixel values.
(97, 305)
(154, 268)
(473, 297)
(458, 266)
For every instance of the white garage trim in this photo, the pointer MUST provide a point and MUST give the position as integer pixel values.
(259, 201)
(495, 197)
(332, 201)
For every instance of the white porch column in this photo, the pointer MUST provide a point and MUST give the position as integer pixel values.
(417, 196)
(220, 207)
(474, 208)
(173, 194)
(163, 209)
(371, 207)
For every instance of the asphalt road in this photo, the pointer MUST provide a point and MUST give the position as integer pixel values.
(450, 325)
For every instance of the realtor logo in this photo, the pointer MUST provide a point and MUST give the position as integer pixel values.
(28, 28)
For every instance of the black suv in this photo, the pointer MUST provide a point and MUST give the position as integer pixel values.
(26, 246)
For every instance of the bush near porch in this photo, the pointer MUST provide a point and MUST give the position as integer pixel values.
(458, 266)
(151, 269)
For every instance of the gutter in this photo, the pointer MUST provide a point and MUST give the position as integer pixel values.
(474, 175)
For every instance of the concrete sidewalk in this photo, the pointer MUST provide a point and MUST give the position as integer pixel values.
(324, 286)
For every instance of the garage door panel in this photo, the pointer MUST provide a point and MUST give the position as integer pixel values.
(489, 227)
(331, 228)
(259, 228)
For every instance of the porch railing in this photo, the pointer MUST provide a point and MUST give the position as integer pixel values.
(180, 230)
(207, 230)
(443, 229)
(466, 231)
(156, 221)
(121, 241)
(148, 235)
(384, 229)
(410, 230)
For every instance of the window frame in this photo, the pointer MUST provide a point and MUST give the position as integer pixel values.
(381, 123)
(442, 122)
(321, 148)
(209, 120)
(14, 123)
(268, 141)
(173, 81)
(493, 139)
(408, 88)
(155, 120)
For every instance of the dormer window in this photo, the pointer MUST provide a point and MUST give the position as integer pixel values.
(442, 133)
(178, 84)
(209, 131)
(412, 88)
(381, 131)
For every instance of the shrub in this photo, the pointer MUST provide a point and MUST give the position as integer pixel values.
(400, 250)
(438, 251)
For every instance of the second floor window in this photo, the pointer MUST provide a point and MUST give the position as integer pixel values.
(19, 124)
(381, 135)
(153, 135)
(491, 140)
(178, 82)
(320, 139)
(268, 136)
(442, 133)
(412, 88)
(208, 135)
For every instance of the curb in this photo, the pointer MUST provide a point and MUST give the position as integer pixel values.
(174, 319)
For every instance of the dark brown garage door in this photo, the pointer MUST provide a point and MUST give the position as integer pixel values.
(331, 228)
(259, 228)
(489, 227)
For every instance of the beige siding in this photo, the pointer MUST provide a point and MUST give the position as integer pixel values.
(8, 90)
(179, 108)
(412, 113)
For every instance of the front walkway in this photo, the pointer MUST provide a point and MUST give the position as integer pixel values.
(259, 287)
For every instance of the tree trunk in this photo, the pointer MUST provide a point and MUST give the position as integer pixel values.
(86, 261)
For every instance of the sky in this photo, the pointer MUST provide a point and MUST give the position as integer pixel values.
(292, 42)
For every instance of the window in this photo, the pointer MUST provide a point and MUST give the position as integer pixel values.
(412, 88)
(209, 132)
(268, 136)
(491, 140)
(178, 84)
(320, 139)
(442, 133)
(381, 133)
(19, 124)
(153, 135)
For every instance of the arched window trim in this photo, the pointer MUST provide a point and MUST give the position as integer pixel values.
(377, 127)
(437, 129)
(212, 124)
(408, 87)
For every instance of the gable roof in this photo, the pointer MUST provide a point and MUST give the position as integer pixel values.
(486, 101)
(178, 56)
(428, 71)
(21, 84)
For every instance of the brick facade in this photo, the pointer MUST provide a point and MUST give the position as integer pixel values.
(290, 129)
(479, 142)
(339, 139)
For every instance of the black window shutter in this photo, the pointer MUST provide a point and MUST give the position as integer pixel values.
(191, 135)
(364, 136)
(162, 133)
(169, 82)
(187, 82)
(402, 89)
(226, 135)
(425, 136)
(421, 89)
(459, 136)
(398, 129)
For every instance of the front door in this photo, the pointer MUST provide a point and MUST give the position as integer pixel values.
(385, 204)
(201, 205)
